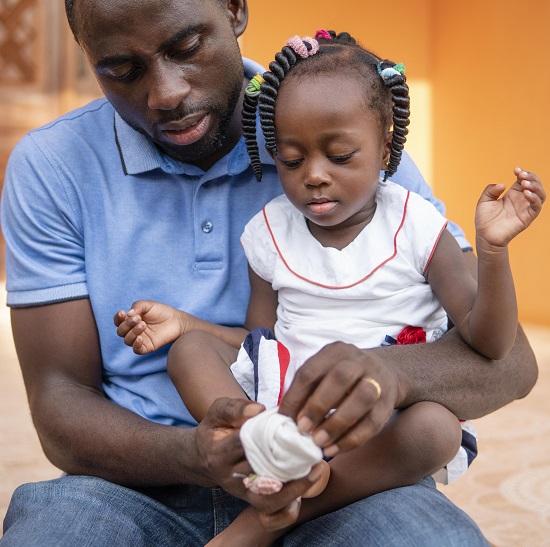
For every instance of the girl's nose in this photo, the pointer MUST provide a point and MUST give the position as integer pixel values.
(316, 174)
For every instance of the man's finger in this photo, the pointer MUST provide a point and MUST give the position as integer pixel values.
(226, 412)
(359, 402)
(307, 379)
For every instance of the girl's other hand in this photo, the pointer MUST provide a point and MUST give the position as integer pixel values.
(498, 221)
(150, 325)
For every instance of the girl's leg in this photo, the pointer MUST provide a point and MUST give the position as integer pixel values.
(417, 442)
(198, 365)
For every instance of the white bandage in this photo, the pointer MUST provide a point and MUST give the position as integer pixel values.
(275, 448)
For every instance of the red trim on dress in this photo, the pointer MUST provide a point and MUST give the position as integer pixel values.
(284, 361)
(434, 248)
(352, 284)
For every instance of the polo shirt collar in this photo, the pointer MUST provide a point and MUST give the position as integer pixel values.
(138, 154)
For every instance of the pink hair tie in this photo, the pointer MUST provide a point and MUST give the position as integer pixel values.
(314, 44)
(322, 34)
(297, 44)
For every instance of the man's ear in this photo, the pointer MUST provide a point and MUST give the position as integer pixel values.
(387, 150)
(238, 13)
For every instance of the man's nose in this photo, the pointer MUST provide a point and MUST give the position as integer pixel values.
(167, 87)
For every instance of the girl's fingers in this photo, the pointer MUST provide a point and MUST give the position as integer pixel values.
(119, 318)
(492, 192)
(532, 182)
(123, 329)
(534, 200)
(534, 188)
(134, 332)
(139, 346)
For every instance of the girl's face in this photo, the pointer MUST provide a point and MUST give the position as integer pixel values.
(330, 150)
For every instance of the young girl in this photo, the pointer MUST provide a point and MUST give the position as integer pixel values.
(345, 255)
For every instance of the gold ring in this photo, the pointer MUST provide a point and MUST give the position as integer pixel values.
(375, 384)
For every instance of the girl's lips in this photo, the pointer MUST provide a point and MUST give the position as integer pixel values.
(321, 207)
(190, 134)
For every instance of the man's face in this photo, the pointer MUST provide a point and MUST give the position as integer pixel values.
(171, 68)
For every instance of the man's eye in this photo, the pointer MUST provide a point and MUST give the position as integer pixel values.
(125, 73)
(187, 48)
(341, 159)
(183, 53)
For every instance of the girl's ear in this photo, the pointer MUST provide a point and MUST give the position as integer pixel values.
(387, 150)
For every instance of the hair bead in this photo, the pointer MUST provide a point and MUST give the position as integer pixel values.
(322, 34)
(299, 45)
(253, 87)
(313, 43)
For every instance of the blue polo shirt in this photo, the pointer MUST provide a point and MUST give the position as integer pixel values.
(92, 209)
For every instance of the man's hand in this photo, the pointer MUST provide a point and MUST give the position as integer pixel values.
(355, 382)
(219, 448)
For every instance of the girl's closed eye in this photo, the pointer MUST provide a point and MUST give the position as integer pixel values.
(290, 162)
(341, 158)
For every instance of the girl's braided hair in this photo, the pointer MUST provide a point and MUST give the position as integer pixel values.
(329, 53)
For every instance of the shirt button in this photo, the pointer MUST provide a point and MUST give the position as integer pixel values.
(207, 226)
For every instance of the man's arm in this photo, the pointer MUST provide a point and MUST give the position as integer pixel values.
(491, 384)
(82, 432)
(448, 372)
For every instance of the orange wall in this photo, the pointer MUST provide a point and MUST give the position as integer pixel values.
(486, 64)
(491, 85)
(372, 23)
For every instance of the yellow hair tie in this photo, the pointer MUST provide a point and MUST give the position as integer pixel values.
(253, 87)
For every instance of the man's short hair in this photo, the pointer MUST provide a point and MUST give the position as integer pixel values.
(72, 19)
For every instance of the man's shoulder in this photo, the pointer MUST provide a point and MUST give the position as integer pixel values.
(82, 131)
(95, 115)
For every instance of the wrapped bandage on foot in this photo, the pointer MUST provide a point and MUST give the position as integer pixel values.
(276, 449)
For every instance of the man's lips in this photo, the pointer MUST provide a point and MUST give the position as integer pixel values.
(187, 130)
(321, 206)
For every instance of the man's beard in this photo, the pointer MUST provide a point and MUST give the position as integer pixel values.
(203, 149)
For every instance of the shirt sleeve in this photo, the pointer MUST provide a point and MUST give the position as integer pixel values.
(409, 176)
(259, 247)
(42, 230)
(424, 225)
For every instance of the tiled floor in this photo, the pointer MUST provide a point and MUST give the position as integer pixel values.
(506, 491)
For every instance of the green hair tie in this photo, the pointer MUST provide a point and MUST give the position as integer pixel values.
(253, 87)
(400, 67)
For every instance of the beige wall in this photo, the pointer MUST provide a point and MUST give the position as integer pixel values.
(479, 78)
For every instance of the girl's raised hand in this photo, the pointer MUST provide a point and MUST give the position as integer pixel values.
(498, 221)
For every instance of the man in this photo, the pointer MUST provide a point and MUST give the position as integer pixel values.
(145, 195)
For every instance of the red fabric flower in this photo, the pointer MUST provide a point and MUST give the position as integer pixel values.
(411, 335)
